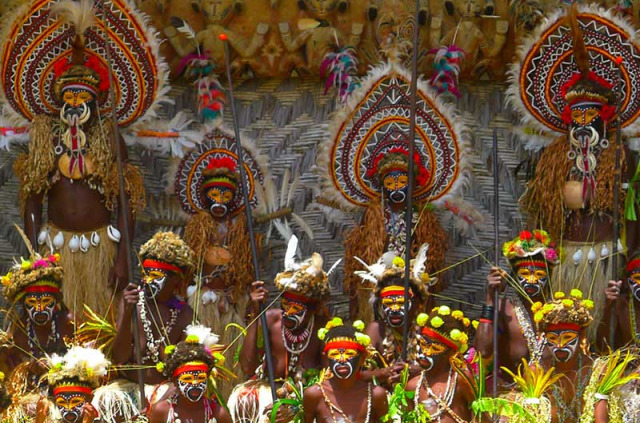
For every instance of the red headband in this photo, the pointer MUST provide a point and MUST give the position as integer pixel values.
(534, 263)
(219, 182)
(72, 388)
(42, 288)
(394, 290)
(191, 368)
(161, 265)
(440, 338)
(344, 345)
(298, 298)
(564, 326)
(633, 264)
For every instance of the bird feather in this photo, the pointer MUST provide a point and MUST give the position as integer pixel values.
(284, 190)
(419, 264)
(302, 224)
(290, 254)
(77, 14)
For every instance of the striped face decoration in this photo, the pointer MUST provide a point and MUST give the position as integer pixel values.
(70, 401)
(192, 380)
(155, 276)
(393, 305)
(633, 278)
(563, 340)
(532, 275)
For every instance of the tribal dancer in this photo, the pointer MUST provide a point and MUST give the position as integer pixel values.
(191, 365)
(532, 257)
(564, 85)
(294, 348)
(208, 186)
(364, 165)
(75, 387)
(387, 278)
(442, 340)
(167, 268)
(343, 396)
(54, 75)
(44, 322)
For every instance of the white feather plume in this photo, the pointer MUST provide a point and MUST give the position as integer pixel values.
(289, 257)
(284, 190)
(374, 271)
(204, 335)
(78, 14)
(335, 265)
(419, 264)
(82, 359)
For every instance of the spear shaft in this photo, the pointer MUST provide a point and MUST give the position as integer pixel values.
(124, 203)
(496, 246)
(413, 100)
(249, 217)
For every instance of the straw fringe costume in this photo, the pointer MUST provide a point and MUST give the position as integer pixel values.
(368, 141)
(565, 66)
(51, 45)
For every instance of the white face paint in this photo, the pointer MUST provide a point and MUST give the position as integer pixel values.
(153, 281)
(563, 344)
(343, 362)
(192, 384)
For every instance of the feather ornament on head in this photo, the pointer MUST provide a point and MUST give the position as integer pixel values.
(202, 335)
(44, 272)
(306, 279)
(86, 366)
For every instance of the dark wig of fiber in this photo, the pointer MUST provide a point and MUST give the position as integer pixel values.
(346, 331)
(184, 353)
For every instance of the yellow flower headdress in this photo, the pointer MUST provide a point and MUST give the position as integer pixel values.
(79, 367)
(344, 337)
(39, 273)
(564, 311)
(447, 326)
(528, 244)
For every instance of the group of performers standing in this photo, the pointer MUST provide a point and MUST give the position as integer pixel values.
(198, 338)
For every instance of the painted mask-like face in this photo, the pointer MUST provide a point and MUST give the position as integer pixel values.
(41, 307)
(587, 127)
(532, 276)
(218, 196)
(70, 400)
(563, 343)
(395, 185)
(192, 380)
(294, 313)
(78, 103)
(393, 305)
(430, 352)
(155, 276)
(343, 361)
(633, 278)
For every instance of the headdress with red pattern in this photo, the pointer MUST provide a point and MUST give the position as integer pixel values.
(397, 158)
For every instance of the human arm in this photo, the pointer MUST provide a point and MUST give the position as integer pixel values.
(601, 412)
(312, 395)
(33, 216)
(484, 334)
(249, 356)
(123, 342)
(222, 415)
(380, 404)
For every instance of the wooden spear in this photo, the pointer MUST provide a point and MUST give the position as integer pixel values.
(496, 246)
(247, 208)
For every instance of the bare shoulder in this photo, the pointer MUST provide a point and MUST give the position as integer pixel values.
(313, 392)
(274, 315)
(412, 384)
(374, 330)
(159, 412)
(380, 394)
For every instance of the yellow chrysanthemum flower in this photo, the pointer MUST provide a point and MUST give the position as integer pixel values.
(398, 261)
(457, 314)
(455, 334)
(444, 311)
(466, 322)
(436, 322)
(538, 317)
(422, 319)
(567, 303)
(588, 304)
(559, 295)
(536, 306)
(576, 293)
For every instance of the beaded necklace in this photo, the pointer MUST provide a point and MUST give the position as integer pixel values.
(173, 417)
(444, 402)
(345, 418)
(572, 410)
(296, 344)
(535, 343)
(153, 344)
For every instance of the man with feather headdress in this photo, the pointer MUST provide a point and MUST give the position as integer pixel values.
(60, 83)
(295, 349)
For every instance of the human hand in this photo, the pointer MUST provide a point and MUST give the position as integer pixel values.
(258, 293)
(131, 295)
(612, 291)
(495, 281)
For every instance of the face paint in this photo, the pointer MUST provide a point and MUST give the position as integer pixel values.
(218, 199)
(586, 121)
(293, 313)
(70, 404)
(77, 106)
(395, 186)
(633, 270)
(192, 380)
(153, 281)
(41, 307)
(532, 276)
(430, 352)
(393, 306)
(343, 362)
(563, 343)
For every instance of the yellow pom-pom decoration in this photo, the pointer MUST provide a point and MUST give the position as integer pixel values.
(322, 333)
(444, 311)
(588, 304)
(567, 303)
(160, 367)
(455, 334)
(398, 262)
(547, 308)
(464, 338)
(363, 339)
(192, 339)
(436, 322)
(25, 264)
(466, 322)
(422, 318)
(536, 306)
(169, 349)
(457, 314)
(576, 293)
(538, 317)
(358, 325)
(475, 324)
(334, 323)
(219, 358)
(558, 295)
